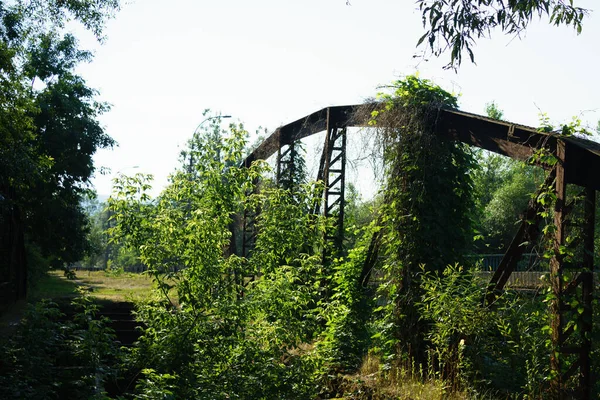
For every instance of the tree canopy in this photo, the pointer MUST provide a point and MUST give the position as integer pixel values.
(49, 128)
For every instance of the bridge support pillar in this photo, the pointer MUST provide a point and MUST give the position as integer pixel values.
(571, 304)
(332, 171)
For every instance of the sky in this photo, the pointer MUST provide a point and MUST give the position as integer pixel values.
(269, 62)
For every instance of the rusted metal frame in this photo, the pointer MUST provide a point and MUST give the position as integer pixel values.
(334, 174)
(587, 286)
(278, 165)
(304, 127)
(500, 137)
(512, 140)
(564, 368)
(556, 276)
(570, 372)
(285, 166)
(572, 286)
(342, 191)
(529, 229)
(321, 173)
(248, 232)
(332, 206)
(520, 142)
(336, 180)
(515, 141)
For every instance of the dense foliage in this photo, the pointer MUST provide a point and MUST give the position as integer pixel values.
(286, 322)
(217, 333)
(50, 356)
(49, 127)
(428, 207)
(283, 322)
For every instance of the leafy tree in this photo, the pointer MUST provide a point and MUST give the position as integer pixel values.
(502, 188)
(455, 26)
(48, 122)
(67, 132)
(492, 111)
(227, 336)
(508, 202)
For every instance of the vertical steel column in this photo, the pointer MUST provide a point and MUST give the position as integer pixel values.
(334, 177)
(556, 273)
(571, 307)
(285, 166)
(587, 282)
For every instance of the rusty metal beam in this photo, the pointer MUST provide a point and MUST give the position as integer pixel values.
(512, 140)
(335, 182)
(520, 142)
(286, 166)
(316, 122)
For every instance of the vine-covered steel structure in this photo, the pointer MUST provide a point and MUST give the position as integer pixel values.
(577, 162)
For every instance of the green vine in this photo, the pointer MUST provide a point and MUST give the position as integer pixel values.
(427, 209)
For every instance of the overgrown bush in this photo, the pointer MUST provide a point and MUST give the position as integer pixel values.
(499, 349)
(345, 342)
(217, 333)
(426, 212)
(49, 357)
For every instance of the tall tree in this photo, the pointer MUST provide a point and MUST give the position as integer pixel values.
(48, 126)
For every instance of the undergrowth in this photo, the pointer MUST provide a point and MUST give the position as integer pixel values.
(51, 357)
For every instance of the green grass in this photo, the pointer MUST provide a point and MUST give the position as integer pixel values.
(52, 286)
(116, 287)
(105, 287)
(101, 285)
(371, 382)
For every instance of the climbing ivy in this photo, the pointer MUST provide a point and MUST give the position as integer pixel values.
(428, 207)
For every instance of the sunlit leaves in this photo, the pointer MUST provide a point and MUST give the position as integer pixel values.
(224, 316)
(455, 26)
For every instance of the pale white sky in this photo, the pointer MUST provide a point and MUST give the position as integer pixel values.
(269, 62)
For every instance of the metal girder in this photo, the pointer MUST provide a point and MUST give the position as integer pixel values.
(335, 180)
(332, 171)
(520, 142)
(371, 258)
(512, 140)
(557, 324)
(286, 166)
(587, 289)
(579, 163)
(304, 127)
